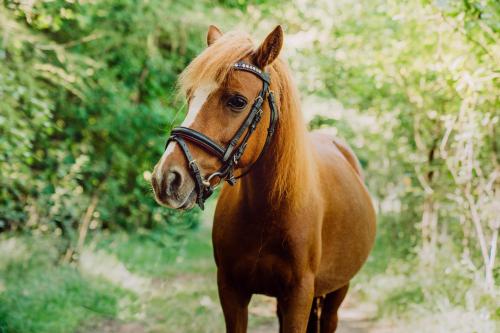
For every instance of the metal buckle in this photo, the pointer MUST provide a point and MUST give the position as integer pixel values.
(212, 176)
(231, 181)
(193, 166)
(259, 114)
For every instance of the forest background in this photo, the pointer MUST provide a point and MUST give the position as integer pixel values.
(88, 95)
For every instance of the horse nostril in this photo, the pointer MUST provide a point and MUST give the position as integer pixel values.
(174, 181)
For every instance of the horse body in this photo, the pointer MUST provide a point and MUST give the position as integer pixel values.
(260, 248)
(300, 224)
(348, 222)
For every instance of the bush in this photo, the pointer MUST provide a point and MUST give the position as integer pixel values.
(87, 91)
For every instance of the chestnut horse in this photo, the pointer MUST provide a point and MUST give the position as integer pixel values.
(301, 223)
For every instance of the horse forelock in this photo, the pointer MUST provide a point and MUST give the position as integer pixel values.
(216, 62)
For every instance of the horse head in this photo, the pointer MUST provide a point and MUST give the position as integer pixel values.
(229, 103)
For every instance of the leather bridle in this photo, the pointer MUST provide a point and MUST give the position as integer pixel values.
(230, 155)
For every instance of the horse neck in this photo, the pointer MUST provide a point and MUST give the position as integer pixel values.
(282, 174)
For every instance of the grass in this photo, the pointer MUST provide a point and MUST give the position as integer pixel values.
(446, 296)
(146, 279)
(41, 296)
(150, 281)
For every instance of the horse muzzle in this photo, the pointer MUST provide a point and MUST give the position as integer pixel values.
(173, 187)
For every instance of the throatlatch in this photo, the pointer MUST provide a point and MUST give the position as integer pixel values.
(230, 155)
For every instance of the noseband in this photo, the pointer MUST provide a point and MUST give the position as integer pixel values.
(230, 155)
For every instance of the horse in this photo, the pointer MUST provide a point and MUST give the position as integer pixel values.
(295, 220)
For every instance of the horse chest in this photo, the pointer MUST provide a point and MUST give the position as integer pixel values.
(259, 262)
(264, 273)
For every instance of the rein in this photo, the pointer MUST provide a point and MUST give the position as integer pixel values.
(230, 155)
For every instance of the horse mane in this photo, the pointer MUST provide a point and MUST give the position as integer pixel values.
(293, 159)
(291, 146)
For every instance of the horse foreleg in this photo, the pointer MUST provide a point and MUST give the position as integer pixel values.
(313, 325)
(331, 304)
(234, 305)
(296, 305)
(279, 312)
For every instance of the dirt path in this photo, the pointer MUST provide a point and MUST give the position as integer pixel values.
(355, 317)
(185, 300)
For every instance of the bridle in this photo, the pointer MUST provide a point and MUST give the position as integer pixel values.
(230, 155)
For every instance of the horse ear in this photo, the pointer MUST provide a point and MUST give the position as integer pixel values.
(270, 48)
(213, 34)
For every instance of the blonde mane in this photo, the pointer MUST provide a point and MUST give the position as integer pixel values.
(216, 62)
(293, 161)
(291, 147)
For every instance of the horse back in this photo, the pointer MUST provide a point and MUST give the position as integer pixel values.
(334, 145)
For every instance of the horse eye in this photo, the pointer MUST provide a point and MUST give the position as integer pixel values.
(237, 102)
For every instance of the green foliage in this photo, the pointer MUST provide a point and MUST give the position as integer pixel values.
(417, 84)
(88, 93)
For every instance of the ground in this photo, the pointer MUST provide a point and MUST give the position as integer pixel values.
(190, 302)
(185, 298)
(154, 281)
(124, 283)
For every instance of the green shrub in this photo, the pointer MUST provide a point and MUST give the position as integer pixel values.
(87, 94)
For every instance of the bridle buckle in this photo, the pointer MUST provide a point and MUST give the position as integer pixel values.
(231, 181)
